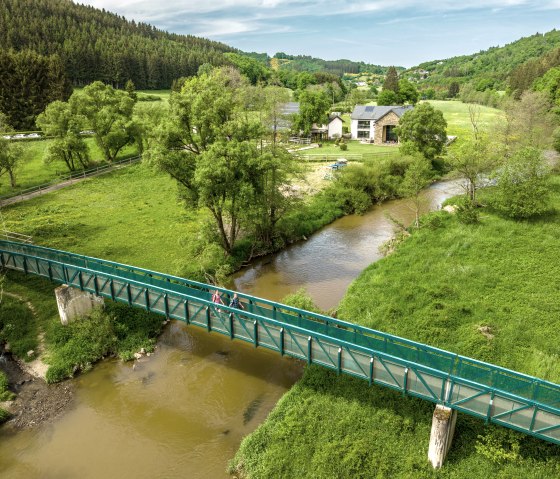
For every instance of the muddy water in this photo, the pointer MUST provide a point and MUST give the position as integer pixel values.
(331, 259)
(180, 413)
(183, 412)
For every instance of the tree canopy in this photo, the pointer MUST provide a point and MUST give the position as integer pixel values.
(95, 44)
(423, 129)
(209, 145)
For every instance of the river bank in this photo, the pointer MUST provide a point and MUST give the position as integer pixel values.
(466, 288)
(36, 403)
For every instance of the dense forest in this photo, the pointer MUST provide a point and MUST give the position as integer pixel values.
(41, 78)
(97, 45)
(489, 68)
(337, 67)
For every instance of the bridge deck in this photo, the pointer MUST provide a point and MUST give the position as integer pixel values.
(492, 393)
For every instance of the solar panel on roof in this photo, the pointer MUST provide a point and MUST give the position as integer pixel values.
(369, 108)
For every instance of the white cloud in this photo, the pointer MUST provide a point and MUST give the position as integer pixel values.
(222, 19)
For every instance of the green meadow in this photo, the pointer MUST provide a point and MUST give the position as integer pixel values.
(33, 171)
(456, 113)
(131, 216)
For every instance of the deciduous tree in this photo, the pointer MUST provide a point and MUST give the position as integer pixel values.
(408, 94)
(68, 145)
(473, 160)
(418, 175)
(423, 130)
(210, 145)
(10, 152)
(388, 97)
(109, 115)
(313, 108)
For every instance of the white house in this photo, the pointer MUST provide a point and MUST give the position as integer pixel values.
(376, 123)
(333, 129)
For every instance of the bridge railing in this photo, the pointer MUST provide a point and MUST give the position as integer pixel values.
(489, 392)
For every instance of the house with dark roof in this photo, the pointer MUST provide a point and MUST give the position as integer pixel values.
(375, 124)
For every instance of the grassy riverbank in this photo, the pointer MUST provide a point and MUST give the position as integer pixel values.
(440, 286)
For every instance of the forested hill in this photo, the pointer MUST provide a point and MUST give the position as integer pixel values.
(491, 68)
(338, 67)
(97, 45)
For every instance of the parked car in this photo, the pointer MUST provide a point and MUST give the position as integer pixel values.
(19, 136)
(7, 137)
(340, 163)
(33, 135)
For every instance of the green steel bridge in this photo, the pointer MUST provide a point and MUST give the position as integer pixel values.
(489, 392)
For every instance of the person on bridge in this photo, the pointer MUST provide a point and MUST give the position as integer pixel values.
(235, 303)
(217, 299)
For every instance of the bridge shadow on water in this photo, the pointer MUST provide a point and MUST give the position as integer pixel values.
(238, 355)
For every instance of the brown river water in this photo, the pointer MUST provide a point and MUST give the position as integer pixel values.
(182, 412)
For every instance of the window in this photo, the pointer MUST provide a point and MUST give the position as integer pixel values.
(391, 134)
(363, 124)
(363, 133)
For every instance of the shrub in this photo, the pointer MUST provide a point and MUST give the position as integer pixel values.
(522, 190)
(89, 339)
(18, 326)
(301, 299)
(343, 147)
(467, 212)
(119, 330)
(5, 393)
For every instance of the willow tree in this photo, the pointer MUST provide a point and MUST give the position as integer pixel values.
(68, 144)
(212, 147)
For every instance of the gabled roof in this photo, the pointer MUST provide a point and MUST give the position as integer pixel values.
(367, 112)
(334, 116)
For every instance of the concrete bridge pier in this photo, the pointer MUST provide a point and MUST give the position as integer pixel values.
(73, 303)
(443, 427)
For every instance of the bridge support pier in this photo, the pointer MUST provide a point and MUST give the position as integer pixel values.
(443, 427)
(73, 303)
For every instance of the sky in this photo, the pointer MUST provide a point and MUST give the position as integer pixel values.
(385, 32)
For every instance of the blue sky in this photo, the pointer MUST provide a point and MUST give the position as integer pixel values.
(386, 32)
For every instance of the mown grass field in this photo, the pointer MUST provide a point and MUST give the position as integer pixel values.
(130, 216)
(456, 113)
(163, 94)
(33, 171)
(439, 287)
(354, 147)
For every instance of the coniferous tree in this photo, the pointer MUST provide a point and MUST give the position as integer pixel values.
(391, 80)
(28, 83)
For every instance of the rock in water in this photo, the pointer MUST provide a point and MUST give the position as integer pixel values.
(252, 409)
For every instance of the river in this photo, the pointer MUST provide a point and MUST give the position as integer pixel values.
(182, 412)
(332, 258)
